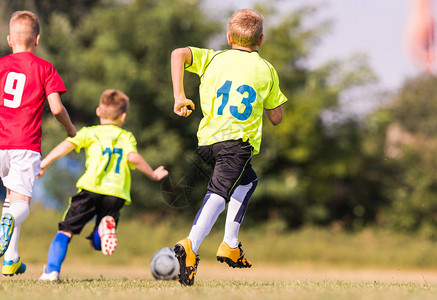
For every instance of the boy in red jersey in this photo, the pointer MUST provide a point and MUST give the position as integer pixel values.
(25, 82)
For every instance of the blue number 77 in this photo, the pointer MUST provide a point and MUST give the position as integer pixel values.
(118, 151)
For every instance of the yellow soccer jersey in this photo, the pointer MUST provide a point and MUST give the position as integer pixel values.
(235, 87)
(107, 168)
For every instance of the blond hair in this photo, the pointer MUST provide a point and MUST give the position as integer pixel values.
(29, 29)
(245, 27)
(113, 103)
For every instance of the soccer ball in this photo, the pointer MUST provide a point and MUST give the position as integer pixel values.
(164, 264)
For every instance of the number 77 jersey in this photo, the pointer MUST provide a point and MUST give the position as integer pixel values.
(25, 82)
(107, 167)
(235, 87)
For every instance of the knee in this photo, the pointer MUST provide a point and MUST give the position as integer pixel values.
(249, 177)
(96, 242)
(66, 232)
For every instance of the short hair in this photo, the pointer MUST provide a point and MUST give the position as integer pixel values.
(30, 20)
(113, 103)
(245, 27)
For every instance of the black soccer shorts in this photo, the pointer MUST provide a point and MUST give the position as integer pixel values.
(86, 205)
(231, 163)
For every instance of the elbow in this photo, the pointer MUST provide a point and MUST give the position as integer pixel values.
(275, 116)
(57, 109)
(57, 112)
(277, 121)
(176, 53)
(133, 158)
(183, 54)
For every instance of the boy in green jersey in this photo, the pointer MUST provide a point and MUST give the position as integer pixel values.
(236, 87)
(105, 186)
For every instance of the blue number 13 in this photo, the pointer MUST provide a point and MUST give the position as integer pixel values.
(247, 101)
(118, 151)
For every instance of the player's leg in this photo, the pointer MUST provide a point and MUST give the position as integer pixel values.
(79, 212)
(6, 226)
(18, 171)
(15, 214)
(188, 260)
(230, 249)
(95, 240)
(186, 249)
(213, 205)
(229, 160)
(56, 256)
(104, 236)
(12, 264)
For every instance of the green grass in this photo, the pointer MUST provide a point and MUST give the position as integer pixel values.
(217, 289)
(139, 239)
(311, 263)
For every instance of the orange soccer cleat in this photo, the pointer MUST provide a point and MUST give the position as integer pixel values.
(234, 257)
(188, 261)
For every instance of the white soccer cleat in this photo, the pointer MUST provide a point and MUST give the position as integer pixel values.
(52, 276)
(107, 235)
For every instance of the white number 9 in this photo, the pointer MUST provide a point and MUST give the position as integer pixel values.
(14, 86)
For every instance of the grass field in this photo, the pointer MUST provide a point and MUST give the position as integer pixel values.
(307, 264)
(216, 281)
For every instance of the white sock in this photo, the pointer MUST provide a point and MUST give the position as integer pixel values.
(6, 206)
(19, 210)
(12, 252)
(236, 211)
(205, 219)
(231, 227)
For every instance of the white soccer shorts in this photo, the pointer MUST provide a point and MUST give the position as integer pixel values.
(18, 170)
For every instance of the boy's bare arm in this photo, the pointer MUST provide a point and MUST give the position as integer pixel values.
(59, 151)
(179, 58)
(274, 115)
(141, 164)
(60, 113)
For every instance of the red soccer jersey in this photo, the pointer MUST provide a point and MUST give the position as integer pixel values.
(25, 82)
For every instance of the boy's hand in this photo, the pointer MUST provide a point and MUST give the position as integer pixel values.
(59, 151)
(159, 173)
(41, 173)
(44, 165)
(181, 107)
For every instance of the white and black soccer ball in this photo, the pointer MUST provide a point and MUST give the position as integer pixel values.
(164, 264)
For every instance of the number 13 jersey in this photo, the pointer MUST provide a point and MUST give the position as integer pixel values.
(235, 87)
(25, 82)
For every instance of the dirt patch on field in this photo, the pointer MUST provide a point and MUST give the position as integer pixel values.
(319, 274)
(217, 271)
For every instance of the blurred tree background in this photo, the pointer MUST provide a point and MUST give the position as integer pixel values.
(322, 166)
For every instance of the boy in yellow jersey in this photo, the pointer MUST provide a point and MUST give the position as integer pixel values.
(236, 86)
(105, 186)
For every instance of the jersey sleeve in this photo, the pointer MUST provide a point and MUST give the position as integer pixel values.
(200, 60)
(275, 98)
(53, 82)
(80, 140)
